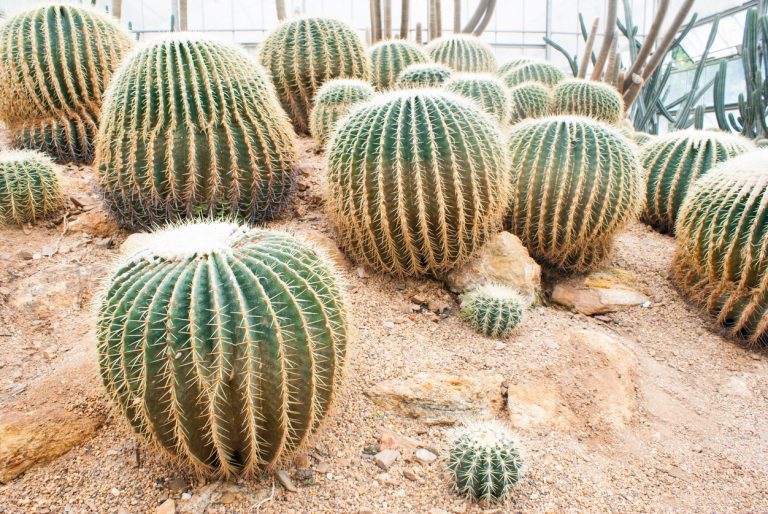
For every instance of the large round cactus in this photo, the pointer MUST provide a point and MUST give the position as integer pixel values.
(576, 182)
(494, 310)
(423, 75)
(529, 100)
(514, 63)
(55, 62)
(333, 102)
(389, 58)
(29, 188)
(222, 344)
(537, 71)
(721, 259)
(588, 98)
(417, 181)
(203, 135)
(673, 162)
(301, 55)
(487, 91)
(463, 52)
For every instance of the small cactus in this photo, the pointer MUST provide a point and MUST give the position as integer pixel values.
(588, 98)
(487, 91)
(529, 100)
(223, 345)
(493, 310)
(484, 462)
(543, 72)
(389, 58)
(29, 188)
(463, 53)
(303, 54)
(423, 75)
(514, 63)
(334, 101)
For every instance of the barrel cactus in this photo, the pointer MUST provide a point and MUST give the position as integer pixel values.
(493, 310)
(303, 54)
(223, 147)
(529, 100)
(514, 63)
(588, 98)
(463, 52)
(417, 181)
(576, 183)
(487, 91)
(423, 75)
(334, 101)
(29, 188)
(674, 161)
(55, 62)
(389, 58)
(222, 344)
(721, 259)
(543, 72)
(484, 463)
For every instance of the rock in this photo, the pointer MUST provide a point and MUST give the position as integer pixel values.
(385, 458)
(301, 461)
(177, 485)
(600, 292)
(285, 481)
(24, 255)
(62, 288)
(389, 325)
(410, 475)
(503, 259)
(389, 440)
(115, 491)
(48, 251)
(167, 507)
(95, 222)
(438, 306)
(425, 456)
(322, 468)
(440, 398)
(134, 243)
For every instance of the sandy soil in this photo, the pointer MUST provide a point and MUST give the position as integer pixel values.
(697, 442)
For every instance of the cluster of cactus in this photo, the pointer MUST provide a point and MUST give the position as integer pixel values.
(529, 100)
(55, 62)
(514, 63)
(463, 53)
(29, 187)
(427, 191)
(487, 91)
(493, 310)
(222, 344)
(334, 101)
(390, 58)
(204, 135)
(675, 161)
(721, 259)
(576, 182)
(301, 55)
(588, 98)
(537, 71)
(423, 75)
(484, 462)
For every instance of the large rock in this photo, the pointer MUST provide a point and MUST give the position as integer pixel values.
(61, 288)
(95, 222)
(503, 259)
(440, 398)
(600, 292)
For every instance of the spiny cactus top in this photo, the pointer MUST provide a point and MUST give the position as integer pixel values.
(423, 75)
(487, 91)
(464, 53)
(303, 54)
(29, 188)
(588, 98)
(547, 74)
(494, 310)
(55, 63)
(223, 344)
(203, 135)
(529, 100)
(417, 181)
(514, 63)
(334, 101)
(389, 58)
(674, 161)
(576, 182)
(722, 245)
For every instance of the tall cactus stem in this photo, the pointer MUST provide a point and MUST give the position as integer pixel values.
(588, 49)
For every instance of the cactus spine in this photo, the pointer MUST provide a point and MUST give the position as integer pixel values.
(222, 344)
(417, 181)
(511, 65)
(675, 161)
(334, 101)
(389, 58)
(423, 75)
(302, 55)
(223, 147)
(493, 310)
(463, 53)
(487, 91)
(543, 72)
(529, 100)
(29, 188)
(55, 62)
(588, 98)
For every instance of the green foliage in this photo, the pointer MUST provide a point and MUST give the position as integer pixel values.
(463, 53)
(487, 91)
(493, 310)
(423, 75)
(334, 101)
(390, 58)
(529, 100)
(588, 98)
(543, 72)
(223, 345)
(29, 188)
(514, 63)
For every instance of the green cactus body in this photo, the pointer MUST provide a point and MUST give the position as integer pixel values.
(514, 63)
(303, 54)
(334, 101)
(417, 181)
(588, 98)
(487, 91)
(463, 53)
(390, 58)
(204, 135)
(493, 310)
(543, 72)
(423, 75)
(529, 100)
(484, 462)
(675, 161)
(223, 345)
(576, 183)
(29, 188)
(641, 138)
(55, 63)
(721, 259)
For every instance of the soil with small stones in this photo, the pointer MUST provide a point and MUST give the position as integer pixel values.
(698, 441)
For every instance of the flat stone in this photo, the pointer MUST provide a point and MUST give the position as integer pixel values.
(167, 507)
(425, 456)
(389, 440)
(285, 481)
(95, 222)
(600, 292)
(386, 458)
